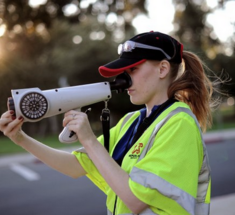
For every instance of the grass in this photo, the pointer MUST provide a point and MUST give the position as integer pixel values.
(8, 147)
(227, 125)
(223, 118)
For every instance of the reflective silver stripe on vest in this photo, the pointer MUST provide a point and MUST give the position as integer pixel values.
(155, 131)
(202, 208)
(128, 116)
(81, 149)
(203, 178)
(147, 211)
(153, 181)
(109, 212)
(147, 179)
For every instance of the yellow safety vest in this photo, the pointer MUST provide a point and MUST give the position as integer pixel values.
(168, 166)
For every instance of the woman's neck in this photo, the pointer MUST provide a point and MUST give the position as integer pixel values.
(158, 101)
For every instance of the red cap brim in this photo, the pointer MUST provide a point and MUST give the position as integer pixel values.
(118, 66)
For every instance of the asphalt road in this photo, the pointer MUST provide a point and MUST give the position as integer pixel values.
(222, 161)
(50, 193)
(46, 192)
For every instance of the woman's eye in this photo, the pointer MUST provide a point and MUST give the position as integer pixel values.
(133, 69)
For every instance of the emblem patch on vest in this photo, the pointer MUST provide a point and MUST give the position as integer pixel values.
(136, 151)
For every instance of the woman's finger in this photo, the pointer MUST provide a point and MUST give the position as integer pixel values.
(13, 126)
(8, 114)
(80, 116)
(4, 122)
(68, 119)
(5, 119)
(71, 112)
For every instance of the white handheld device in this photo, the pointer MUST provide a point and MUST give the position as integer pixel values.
(34, 104)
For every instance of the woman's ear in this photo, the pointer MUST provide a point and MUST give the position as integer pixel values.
(164, 68)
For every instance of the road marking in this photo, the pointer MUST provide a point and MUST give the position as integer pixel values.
(25, 172)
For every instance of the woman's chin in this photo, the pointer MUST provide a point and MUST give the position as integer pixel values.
(136, 102)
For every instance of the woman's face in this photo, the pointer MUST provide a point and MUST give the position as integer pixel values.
(146, 83)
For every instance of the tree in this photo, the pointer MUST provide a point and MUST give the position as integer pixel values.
(40, 59)
(55, 39)
(196, 35)
(20, 12)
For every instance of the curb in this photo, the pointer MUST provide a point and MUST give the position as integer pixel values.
(223, 205)
(219, 136)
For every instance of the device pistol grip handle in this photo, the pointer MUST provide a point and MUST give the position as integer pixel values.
(67, 136)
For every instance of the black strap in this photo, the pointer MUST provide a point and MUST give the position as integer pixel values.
(105, 119)
(148, 120)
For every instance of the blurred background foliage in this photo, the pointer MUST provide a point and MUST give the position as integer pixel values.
(57, 43)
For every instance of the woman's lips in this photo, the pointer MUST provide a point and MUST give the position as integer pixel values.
(130, 91)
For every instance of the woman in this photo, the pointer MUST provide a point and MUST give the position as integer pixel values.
(157, 161)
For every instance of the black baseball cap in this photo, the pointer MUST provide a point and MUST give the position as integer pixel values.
(142, 47)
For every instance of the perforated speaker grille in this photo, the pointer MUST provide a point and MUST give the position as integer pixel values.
(33, 105)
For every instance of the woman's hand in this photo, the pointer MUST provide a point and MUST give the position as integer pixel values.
(78, 123)
(11, 126)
